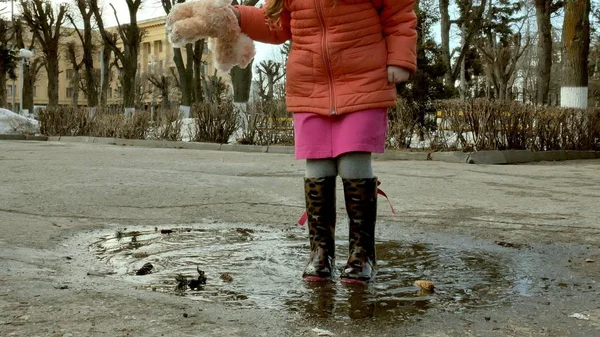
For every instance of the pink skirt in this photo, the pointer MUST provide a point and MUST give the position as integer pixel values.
(317, 136)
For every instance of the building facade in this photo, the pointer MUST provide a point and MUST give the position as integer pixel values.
(155, 57)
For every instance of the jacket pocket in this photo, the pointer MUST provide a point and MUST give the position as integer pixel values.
(300, 79)
(365, 68)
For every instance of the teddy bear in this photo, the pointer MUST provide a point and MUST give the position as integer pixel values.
(213, 19)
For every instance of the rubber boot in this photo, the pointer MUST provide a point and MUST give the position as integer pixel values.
(361, 204)
(320, 208)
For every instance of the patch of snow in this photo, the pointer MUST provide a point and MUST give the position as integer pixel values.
(15, 124)
(188, 129)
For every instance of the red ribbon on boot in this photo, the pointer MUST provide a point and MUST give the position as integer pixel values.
(304, 216)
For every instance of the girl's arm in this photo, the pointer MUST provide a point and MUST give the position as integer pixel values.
(399, 28)
(253, 23)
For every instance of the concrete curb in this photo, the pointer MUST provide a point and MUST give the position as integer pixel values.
(23, 137)
(493, 157)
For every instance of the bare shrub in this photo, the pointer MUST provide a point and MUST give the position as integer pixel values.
(487, 124)
(107, 125)
(402, 124)
(167, 125)
(68, 121)
(269, 123)
(215, 123)
(136, 126)
(63, 121)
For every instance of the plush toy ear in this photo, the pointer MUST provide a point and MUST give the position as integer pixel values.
(240, 53)
(247, 50)
(220, 61)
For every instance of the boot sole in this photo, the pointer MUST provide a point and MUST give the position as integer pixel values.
(354, 281)
(316, 279)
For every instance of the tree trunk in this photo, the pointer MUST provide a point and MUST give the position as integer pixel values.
(165, 93)
(128, 85)
(445, 34)
(242, 81)
(88, 57)
(544, 62)
(197, 82)
(502, 90)
(463, 64)
(52, 71)
(75, 86)
(185, 82)
(30, 76)
(576, 46)
(90, 80)
(105, 75)
(3, 100)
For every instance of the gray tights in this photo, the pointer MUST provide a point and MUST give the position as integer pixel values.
(353, 165)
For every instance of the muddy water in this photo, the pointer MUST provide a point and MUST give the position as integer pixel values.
(265, 269)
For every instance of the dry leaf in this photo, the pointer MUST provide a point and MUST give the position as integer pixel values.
(226, 277)
(426, 285)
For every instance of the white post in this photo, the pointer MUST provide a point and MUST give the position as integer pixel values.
(24, 54)
(21, 85)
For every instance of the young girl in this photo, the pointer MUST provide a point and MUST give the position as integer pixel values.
(346, 57)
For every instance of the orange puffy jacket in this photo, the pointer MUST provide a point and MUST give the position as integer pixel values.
(340, 52)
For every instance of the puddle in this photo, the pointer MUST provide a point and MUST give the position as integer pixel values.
(266, 266)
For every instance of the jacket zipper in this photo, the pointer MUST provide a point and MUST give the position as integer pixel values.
(326, 59)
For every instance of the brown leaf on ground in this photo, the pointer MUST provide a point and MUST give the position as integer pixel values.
(426, 285)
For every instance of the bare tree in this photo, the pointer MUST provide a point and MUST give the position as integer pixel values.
(131, 36)
(576, 48)
(470, 22)
(87, 42)
(73, 55)
(106, 75)
(30, 69)
(163, 82)
(46, 26)
(269, 74)
(502, 47)
(544, 9)
(8, 60)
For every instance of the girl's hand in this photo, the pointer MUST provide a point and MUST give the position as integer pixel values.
(237, 13)
(397, 74)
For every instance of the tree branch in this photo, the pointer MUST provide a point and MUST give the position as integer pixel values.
(76, 29)
(124, 36)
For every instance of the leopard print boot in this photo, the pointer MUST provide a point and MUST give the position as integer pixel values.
(320, 208)
(361, 205)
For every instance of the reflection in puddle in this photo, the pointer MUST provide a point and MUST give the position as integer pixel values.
(266, 266)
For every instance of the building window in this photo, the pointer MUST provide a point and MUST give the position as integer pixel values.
(109, 92)
(147, 47)
(69, 74)
(69, 92)
(118, 92)
(9, 90)
(160, 67)
(157, 47)
(34, 91)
